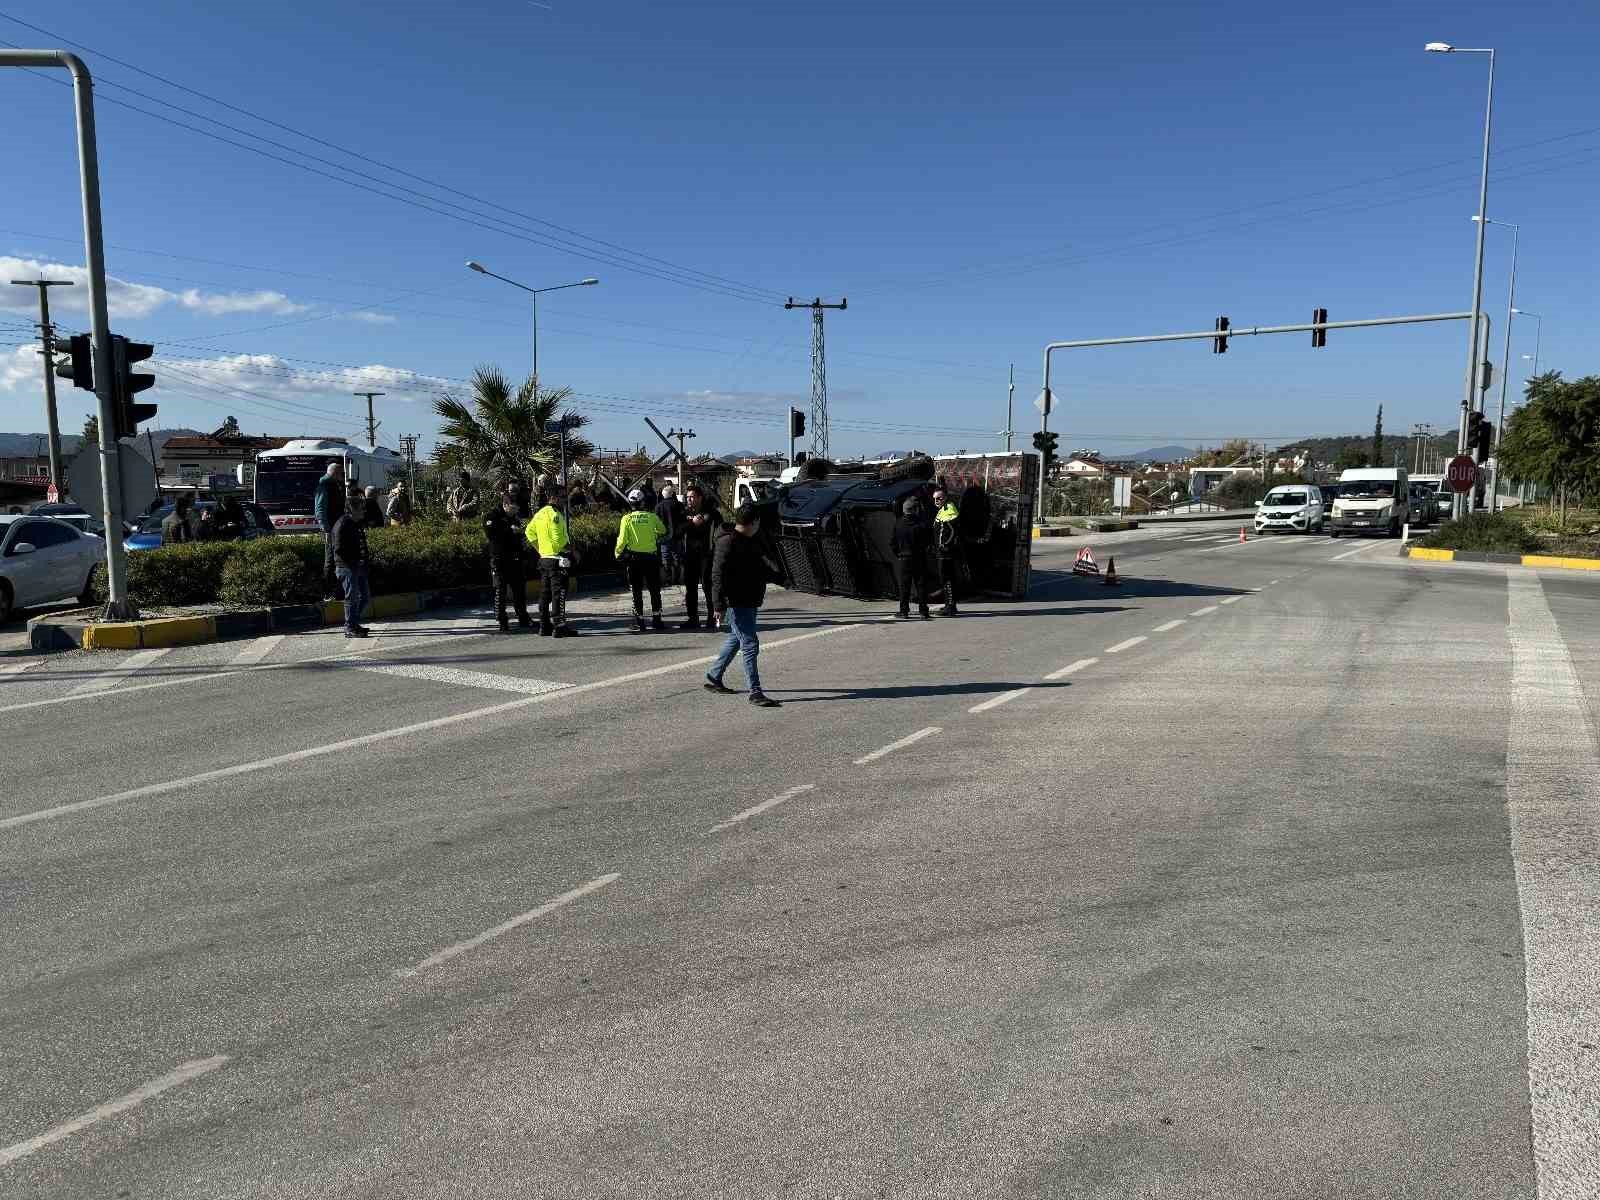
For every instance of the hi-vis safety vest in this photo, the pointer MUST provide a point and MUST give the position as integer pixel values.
(547, 532)
(948, 513)
(640, 532)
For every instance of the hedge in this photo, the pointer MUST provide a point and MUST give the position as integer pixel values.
(1494, 533)
(287, 569)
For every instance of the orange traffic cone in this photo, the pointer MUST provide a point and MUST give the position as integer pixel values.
(1111, 574)
(1241, 533)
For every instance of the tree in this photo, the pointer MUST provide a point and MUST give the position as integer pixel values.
(505, 434)
(1377, 440)
(91, 430)
(1554, 438)
(1348, 458)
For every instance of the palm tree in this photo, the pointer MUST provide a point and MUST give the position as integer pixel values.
(504, 434)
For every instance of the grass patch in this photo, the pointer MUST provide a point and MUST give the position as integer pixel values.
(1485, 533)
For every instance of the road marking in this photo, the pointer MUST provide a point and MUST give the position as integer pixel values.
(184, 1073)
(505, 927)
(106, 680)
(900, 745)
(387, 735)
(460, 678)
(1167, 626)
(256, 650)
(763, 806)
(1230, 600)
(7, 670)
(1357, 550)
(1204, 612)
(1072, 668)
(1127, 645)
(1553, 806)
(997, 701)
(1272, 582)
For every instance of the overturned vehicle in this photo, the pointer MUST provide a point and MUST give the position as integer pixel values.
(830, 531)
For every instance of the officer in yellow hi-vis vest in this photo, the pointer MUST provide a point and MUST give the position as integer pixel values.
(639, 539)
(947, 547)
(547, 534)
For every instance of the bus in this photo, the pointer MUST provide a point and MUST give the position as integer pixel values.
(286, 478)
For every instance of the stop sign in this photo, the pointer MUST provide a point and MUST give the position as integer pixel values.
(1462, 473)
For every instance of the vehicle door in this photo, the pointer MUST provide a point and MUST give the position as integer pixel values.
(32, 575)
(59, 549)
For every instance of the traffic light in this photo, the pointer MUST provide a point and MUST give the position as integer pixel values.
(79, 365)
(1045, 444)
(1220, 345)
(127, 384)
(1483, 440)
(1475, 424)
(797, 423)
(1319, 337)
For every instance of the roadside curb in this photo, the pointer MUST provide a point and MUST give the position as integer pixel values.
(1427, 554)
(56, 633)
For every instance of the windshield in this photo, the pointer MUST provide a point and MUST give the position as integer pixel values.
(1368, 489)
(291, 486)
(1289, 499)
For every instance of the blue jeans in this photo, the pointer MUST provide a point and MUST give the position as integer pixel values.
(357, 593)
(741, 635)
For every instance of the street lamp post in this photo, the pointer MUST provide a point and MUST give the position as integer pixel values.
(1505, 358)
(1477, 268)
(534, 292)
(1538, 335)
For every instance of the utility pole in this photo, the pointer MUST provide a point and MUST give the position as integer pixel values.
(372, 426)
(680, 434)
(1011, 393)
(408, 447)
(47, 338)
(819, 374)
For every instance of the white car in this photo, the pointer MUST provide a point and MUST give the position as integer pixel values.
(1291, 508)
(43, 559)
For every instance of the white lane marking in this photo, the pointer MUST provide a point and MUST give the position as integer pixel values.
(780, 798)
(460, 678)
(1357, 550)
(1204, 612)
(900, 745)
(1230, 600)
(1553, 805)
(254, 651)
(1168, 626)
(7, 670)
(1072, 668)
(1270, 582)
(997, 701)
(1127, 645)
(182, 1074)
(505, 927)
(106, 680)
(387, 735)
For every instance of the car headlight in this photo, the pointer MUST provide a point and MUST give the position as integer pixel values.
(1385, 511)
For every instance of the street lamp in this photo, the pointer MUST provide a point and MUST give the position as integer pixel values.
(1538, 335)
(1477, 268)
(1505, 358)
(534, 292)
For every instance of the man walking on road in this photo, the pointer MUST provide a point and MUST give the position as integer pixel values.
(547, 533)
(638, 549)
(702, 524)
(503, 528)
(910, 545)
(947, 547)
(739, 574)
(328, 505)
(348, 540)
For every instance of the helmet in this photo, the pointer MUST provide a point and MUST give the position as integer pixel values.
(636, 498)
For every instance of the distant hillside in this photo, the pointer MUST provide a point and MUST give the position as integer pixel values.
(26, 445)
(1162, 454)
(1327, 448)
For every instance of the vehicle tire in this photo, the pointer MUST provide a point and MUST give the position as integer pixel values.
(1333, 533)
(5, 602)
(86, 597)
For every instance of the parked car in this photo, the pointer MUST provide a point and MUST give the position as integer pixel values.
(147, 535)
(43, 560)
(1291, 508)
(73, 514)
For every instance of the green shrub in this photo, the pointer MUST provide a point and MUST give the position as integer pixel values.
(173, 575)
(281, 570)
(594, 535)
(1492, 533)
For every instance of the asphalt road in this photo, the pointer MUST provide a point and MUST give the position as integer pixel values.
(1269, 872)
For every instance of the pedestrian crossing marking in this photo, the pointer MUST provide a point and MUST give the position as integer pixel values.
(462, 678)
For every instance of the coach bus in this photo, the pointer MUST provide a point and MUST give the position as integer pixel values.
(286, 478)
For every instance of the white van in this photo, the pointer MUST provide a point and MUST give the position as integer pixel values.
(1291, 508)
(1371, 500)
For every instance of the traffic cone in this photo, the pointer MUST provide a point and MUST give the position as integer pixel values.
(1111, 574)
(1241, 533)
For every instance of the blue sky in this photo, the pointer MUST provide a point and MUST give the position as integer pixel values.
(978, 180)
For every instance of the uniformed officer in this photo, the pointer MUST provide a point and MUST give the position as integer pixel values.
(910, 545)
(503, 528)
(947, 547)
(547, 534)
(639, 537)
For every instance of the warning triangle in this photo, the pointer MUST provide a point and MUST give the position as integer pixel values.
(1085, 564)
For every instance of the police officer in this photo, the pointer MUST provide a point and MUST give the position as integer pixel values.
(910, 545)
(547, 534)
(947, 547)
(639, 537)
(702, 524)
(503, 528)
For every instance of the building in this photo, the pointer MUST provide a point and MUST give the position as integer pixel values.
(1204, 479)
(1080, 466)
(194, 460)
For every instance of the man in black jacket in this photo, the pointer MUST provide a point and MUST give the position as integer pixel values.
(350, 561)
(507, 571)
(702, 525)
(910, 544)
(739, 574)
(671, 511)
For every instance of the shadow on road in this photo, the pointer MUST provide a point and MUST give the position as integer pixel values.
(1064, 583)
(905, 692)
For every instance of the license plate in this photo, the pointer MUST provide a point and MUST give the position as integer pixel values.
(1361, 522)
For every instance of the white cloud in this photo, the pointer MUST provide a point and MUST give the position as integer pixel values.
(19, 368)
(712, 397)
(272, 376)
(125, 299)
(370, 318)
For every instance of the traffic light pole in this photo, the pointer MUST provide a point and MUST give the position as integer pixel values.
(119, 605)
(1212, 335)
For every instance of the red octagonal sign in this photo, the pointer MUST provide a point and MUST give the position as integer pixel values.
(1462, 473)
